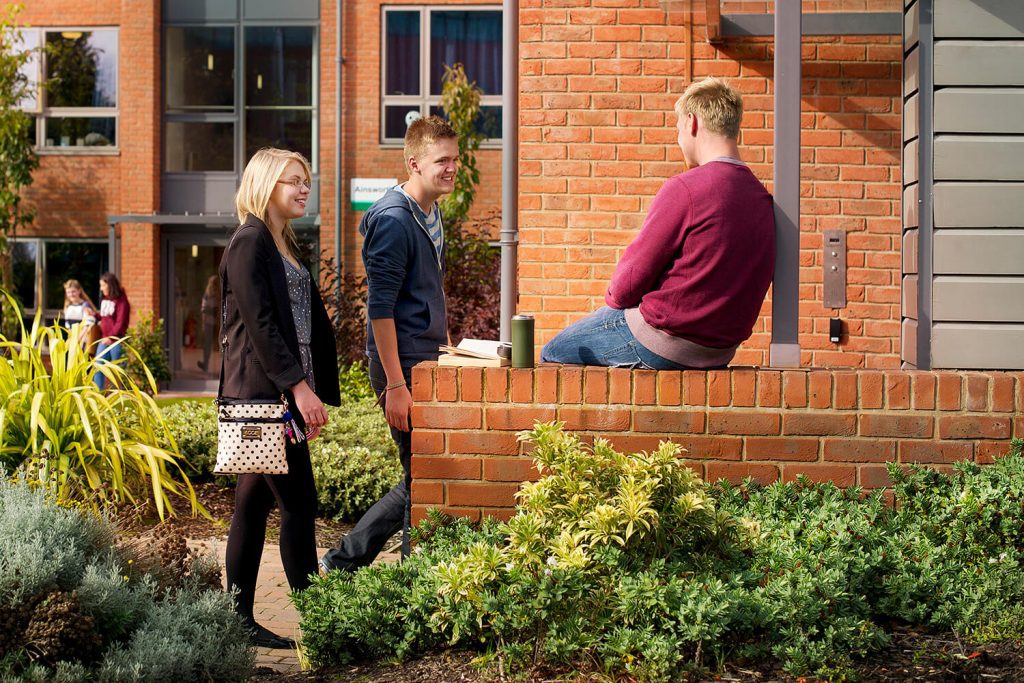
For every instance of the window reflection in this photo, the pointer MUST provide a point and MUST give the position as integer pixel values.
(24, 271)
(82, 68)
(279, 66)
(200, 67)
(287, 129)
(82, 261)
(198, 146)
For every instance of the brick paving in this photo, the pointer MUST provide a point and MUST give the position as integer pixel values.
(273, 608)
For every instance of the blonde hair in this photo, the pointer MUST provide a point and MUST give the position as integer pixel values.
(258, 180)
(75, 284)
(424, 132)
(718, 107)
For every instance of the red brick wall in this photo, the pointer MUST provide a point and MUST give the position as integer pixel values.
(598, 84)
(74, 194)
(838, 425)
(364, 156)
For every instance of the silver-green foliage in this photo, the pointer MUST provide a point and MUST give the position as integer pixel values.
(43, 545)
(148, 633)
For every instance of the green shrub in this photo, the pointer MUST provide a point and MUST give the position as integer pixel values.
(629, 566)
(355, 461)
(194, 427)
(85, 444)
(75, 606)
(354, 381)
(147, 338)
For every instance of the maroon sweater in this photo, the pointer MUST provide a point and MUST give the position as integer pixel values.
(114, 316)
(701, 265)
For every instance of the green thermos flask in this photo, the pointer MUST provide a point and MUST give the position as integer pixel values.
(522, 341)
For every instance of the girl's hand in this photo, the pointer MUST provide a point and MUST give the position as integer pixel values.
(309, 405)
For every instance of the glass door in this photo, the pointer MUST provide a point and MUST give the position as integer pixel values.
(193, 313)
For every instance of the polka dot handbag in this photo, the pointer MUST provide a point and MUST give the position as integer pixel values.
(251, 436)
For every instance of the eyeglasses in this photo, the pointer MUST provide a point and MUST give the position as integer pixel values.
(296, 183)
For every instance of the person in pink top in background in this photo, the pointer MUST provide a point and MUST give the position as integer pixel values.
(114, 311)
(689, 288)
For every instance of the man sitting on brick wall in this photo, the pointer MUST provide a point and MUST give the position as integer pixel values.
(690, 286)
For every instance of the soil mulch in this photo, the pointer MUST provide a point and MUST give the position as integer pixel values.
(219, 501)
(911, 656)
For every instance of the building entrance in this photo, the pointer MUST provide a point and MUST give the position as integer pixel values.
(191, 303)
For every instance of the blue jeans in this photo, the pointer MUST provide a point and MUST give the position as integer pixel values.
(106, 354)
(603, 338)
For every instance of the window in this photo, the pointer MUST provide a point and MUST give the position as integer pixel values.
(419, 44)
(41, 266)
(273, 103)
(199, 94)
(279, 89)
(77, 111)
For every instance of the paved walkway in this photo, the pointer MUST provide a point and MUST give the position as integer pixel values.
(273, 608)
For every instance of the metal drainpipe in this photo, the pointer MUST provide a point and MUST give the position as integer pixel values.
(338, 61)
(509, 165)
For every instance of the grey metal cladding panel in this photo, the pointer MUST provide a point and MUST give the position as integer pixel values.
(909, 296)
(978, 347)
(979, 19)
(201, 193)
(910, 162)
(911, 20)
(979, 157)
(978, 62)
(908, 341)
(978, 252)
(284, 10)
(910, 118)
(978, 205)
(911, 70)
(979, 110)
(200, 10)
(910, 207)
(910, 252)
(967, 298)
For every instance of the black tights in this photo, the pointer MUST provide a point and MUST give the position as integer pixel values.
(255, 495)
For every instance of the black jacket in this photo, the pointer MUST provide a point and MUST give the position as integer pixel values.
(260, 347)
(405, 279)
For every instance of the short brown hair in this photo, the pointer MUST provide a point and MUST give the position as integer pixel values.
(717, 106)
(425, 132)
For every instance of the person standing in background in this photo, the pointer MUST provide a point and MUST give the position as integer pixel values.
(210, 310)
(114, 312)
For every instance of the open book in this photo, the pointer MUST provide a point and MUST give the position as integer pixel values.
(476, 353)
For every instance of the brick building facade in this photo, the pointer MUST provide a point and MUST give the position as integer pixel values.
(598, 79)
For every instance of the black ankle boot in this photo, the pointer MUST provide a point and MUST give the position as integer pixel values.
(264, 637)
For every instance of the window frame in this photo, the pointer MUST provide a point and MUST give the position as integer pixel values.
(425, 100)
(43, 111)
(237, 114)
(39, 278)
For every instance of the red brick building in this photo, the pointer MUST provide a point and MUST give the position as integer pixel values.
(200, 84)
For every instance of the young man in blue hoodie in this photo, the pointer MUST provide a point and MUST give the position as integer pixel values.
(403, 254)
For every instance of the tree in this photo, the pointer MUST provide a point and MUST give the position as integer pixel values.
(17, 156)
(460, 100)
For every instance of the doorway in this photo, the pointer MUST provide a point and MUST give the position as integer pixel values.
(190, 296)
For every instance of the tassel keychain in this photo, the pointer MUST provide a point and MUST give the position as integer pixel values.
(291, 429)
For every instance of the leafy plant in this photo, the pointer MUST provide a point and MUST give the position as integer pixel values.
(76, 606)
(345, 299)
(86, 445)
(354, 381)
(460, 100)
(472, 281)
(193, 426)
(628, 566)
(147, 338)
